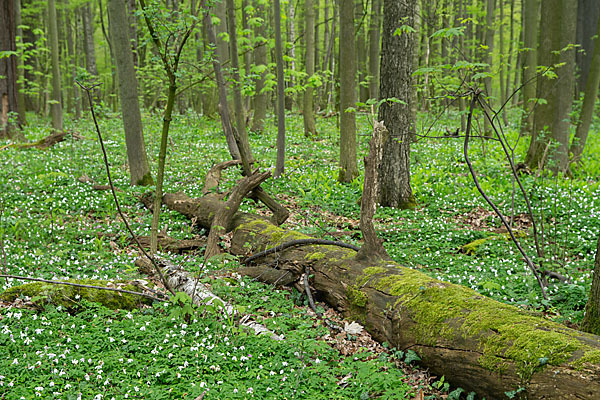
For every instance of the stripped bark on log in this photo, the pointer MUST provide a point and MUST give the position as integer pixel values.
(477, 343)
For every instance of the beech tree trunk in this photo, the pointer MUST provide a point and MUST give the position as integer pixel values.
(529, 64)
(8, 69)
(589, 101)
(374, 49)
(56, 106)
(280, 163)
(139, 170)
(308, 98)
(477, 343)
(260, 61)
(396, 81)
(348, 164)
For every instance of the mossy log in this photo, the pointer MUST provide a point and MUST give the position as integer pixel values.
(69, 297)
(477, 343)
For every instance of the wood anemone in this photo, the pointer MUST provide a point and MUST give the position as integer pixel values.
(477, 343)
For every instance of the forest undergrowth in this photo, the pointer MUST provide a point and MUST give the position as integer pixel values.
(54, 225)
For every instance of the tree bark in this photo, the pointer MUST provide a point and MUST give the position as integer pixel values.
(374, 49)
(56, 106)
(529, 65)
(88, 42)
(241, 136)
(589, 101)
(280, 163)
(475, 342)
(591, 320)
(361, 51)
(308, 98)
(139, 170)
(8, 70)
(397, 81)
(588, 14)
(261, 62)
(551, 120)
(347, 66)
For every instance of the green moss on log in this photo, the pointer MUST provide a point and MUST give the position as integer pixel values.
(356, 297)
(506, 334)
(69, 297)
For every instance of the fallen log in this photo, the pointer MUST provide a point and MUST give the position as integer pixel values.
(477, 343)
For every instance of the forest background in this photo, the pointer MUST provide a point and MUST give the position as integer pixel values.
(299, 84)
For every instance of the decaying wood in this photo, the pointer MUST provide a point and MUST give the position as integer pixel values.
(172, 245)
(475, 342)
(372, 247)
(181, 281)
(213, 176)
(224, 214)
(44, 143)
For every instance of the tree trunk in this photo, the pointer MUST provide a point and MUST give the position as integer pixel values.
(374, 49)
(8, 71)
(261, 62)
(280, 164)
(559, 18)
(291, 31)
(396, 81)
(591, 320)
(139, 170)
(246, 49)
(361, 51)
(529, 64)
(88, 43)
(589, 101)
(20, 67)
(347, 66)
(488, 57)
(475, 342)
(587, 18)
(56, 106)
(308, 99)
(241, 136)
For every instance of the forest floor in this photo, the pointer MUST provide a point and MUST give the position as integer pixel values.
(55, 225)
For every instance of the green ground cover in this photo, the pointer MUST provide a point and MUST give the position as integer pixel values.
(53, 226)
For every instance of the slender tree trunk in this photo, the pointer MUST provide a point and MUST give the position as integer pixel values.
(502, 57)
(8, 70)
(309, 40)
(317, 35)
(347, 66)
(246, 50)
(133, 39)
(589, 101)
(396, 81)
(20, 67)
(488, 56)
(261, 62)
(88, 43)
(529, 64)
(222, 90)
(56, 106)
(588, 17)
(374, 48)
(280, 164)
(292, 42)
(139, 170)
(361, 51)
(591, 320)
(510, 56)
(241, 136)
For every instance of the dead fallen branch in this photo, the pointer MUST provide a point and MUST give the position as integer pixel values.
(44, 143)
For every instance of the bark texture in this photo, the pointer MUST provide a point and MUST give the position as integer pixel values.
(589, 101)
(551, 120)
(397, 81)
(8, 68)
(260, 62)
(56, 106)
(475, 342)
(529, 55)
(348, 165)
(374, 48)
(139, 170)
(309, 40)
(591, 321)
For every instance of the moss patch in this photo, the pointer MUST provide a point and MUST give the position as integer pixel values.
(69, 297)
(356, 297)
